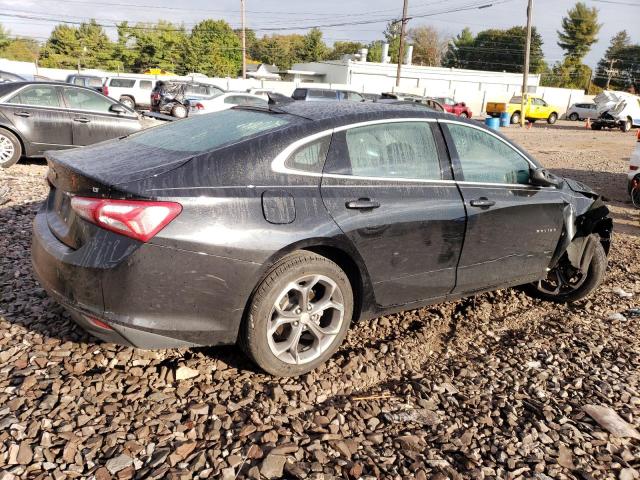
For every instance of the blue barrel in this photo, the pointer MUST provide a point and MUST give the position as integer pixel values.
(493, 123)
(505, 119)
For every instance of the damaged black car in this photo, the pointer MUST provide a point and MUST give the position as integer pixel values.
(276, 228)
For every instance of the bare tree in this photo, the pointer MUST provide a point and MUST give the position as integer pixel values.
(429, 45)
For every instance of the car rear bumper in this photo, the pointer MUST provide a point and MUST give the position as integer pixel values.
(152, 297)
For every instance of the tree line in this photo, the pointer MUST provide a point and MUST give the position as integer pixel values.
(212, 47)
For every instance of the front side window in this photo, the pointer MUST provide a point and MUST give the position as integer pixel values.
(393, 150)
(78, 99)
(37, 96)
(487, 159)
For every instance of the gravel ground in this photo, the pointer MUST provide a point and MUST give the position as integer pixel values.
(496, 386)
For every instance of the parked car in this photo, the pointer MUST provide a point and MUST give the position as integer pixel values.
(582, 111)
(130, 91)
(278, 228)
(634, 174)
(617, 110)
(535, 108)
(371, 97)
(224, 102)
(409, 98)
(90, 81)
(457, 108)
(325, 94)
(6, 77)
(39, 116)
(172, 97)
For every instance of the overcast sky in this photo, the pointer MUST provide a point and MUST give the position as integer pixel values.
(288, 16)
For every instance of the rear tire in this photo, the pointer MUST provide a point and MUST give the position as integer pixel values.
(574, 117)
(464, 115)
(179, 111)
(128, 102)
(552, 118)
(515, 118)
(10, 149)
(285, 331)
(594, 277)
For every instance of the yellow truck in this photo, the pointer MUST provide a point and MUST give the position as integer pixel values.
(535, 109)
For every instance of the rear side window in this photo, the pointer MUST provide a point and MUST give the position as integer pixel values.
(299, 94)
(86, 100)
(323, 94)
(208, 132)
(146, 84)
(393, 150)
(310, 157)
(122, 82)
(95, 82)
(486, 159)
(38, 96)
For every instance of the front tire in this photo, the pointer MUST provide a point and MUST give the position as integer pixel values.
(566, 291)
(10, 149)
(179, 111)
(298, 316)
(128, 102)
(515, 118)
(574, 117)
(464, 115)
(626, 125)
(552, 118)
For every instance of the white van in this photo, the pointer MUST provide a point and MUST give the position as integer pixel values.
(131, 91)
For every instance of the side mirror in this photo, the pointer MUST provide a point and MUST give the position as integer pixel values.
(541, 177)
(119, 109)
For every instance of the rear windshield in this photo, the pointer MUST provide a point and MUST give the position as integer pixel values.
(210, 131)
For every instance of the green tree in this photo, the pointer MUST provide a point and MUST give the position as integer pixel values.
(5, 40)
(579, 31)
(280, 50)
(21, 49)
(611, 59)
(214, 49)
(145, 45)
(344, 48)
(62, 49)
(392, 37)
(314, 49)
(458, 51)
(495, 50)
(96, 48)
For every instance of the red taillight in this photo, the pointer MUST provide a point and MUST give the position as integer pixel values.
(155, 96)
(199, 106)
(105, 90)
(134, 218)
(633, 167)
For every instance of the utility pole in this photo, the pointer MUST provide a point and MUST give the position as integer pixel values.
(525, 76)
(401, 46)
(610, 72)
(244, 42)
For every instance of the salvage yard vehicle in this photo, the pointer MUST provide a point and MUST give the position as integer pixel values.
(535, 109)
(457, 108)
(39, 116)
(276, 228)
(132, 92)
(172, 97)
(224, 102)
(617, 110)
(634, 175)
(582, 111)
(326, 94)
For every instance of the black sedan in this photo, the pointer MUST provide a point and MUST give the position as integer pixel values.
(276, 228)
(39, 116)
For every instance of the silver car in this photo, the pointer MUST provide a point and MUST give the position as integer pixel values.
(581, 111)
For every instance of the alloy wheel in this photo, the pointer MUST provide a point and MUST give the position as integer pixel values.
(7, 149)
(562, 280)
(305, 319)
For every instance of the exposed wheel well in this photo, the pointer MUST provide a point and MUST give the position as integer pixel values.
(24, 152)
(349, 266)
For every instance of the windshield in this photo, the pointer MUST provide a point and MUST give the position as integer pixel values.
(208, 132)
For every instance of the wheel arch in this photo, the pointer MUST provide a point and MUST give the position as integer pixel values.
(18, 136)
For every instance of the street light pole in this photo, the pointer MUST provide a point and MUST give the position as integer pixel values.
(401, 46)
(525, 76)
(244, 42)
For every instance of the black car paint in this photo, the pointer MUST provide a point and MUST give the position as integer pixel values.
(51, 128)
(191, 283)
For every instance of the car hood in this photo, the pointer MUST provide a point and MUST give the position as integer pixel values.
(580, 187)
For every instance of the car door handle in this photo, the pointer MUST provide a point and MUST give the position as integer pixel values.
(22, 114)
(362, 204)
(81, 119)
(482, 202)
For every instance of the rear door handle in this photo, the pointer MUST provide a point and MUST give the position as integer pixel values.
(81, 119)
(482, 202)
(362, 204)
(22, 114)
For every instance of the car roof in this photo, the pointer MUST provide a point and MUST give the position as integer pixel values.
(352, 111)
